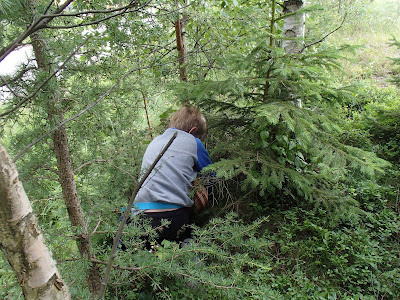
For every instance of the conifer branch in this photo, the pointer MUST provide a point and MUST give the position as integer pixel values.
(29, 97)
(127, 213)
(16, 77)
(100, 262)
(22, 152)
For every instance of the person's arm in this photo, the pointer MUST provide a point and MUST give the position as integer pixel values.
(203, 158)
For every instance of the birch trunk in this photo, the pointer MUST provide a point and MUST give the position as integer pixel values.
(293, 30)
(294, 26)
(21, 240)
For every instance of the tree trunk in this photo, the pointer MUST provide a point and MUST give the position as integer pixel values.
(271, 44)
(294, 26)
(65, 167)
(294, 29)
(180, 31)
(21, 240)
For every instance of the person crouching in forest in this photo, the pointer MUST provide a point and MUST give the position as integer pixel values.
(166, 192)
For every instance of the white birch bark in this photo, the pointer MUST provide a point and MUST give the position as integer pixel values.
(21, 240)
(294, 26)
(294, 30)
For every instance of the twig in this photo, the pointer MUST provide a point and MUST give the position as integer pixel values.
(117, 267)
(35, 26)
(48, 6)
(145, 105)
(95, 11)
(215, 285)
(120, 11)
(95, 228)
(11, 90)
(88, 163)
(126, 215)
(322, 39)
(17, 77)
(157, 285)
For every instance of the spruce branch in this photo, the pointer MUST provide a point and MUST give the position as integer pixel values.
(29, 97)
(126, 215)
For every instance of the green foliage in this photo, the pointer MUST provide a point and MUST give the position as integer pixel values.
(283, 152)
(10, 288)
(296, 254)
(315, 216)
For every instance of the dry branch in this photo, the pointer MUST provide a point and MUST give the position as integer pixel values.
(126, 215)
(35, 26)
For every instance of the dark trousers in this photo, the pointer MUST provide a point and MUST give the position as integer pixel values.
(177, 230)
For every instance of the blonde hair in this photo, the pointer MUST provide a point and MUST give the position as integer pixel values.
(188, 117)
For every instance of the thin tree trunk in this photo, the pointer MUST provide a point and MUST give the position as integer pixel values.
(180, 31)
(271, 44)
(21, 240)
(65, 167)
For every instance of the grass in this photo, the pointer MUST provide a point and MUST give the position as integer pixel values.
(372, 30)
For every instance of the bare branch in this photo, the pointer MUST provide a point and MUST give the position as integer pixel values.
(95, 228)
(168, 12)
(27, 98)
(323, 38)
(48, 6)
(98, 11)
(102, 160)
(45, 178)
(117, 267)
(121, 11)
(35, 26)
(89, 23)
(88, 163)
(126, 215)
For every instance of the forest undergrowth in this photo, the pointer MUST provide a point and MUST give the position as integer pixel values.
(306, 201)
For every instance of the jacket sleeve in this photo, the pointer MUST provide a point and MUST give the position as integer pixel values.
(203, 158)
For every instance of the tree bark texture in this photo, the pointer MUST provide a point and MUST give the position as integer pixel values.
(294, 26)
(180, 31)
(21, 240)
(65, 166)
(61, 148)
